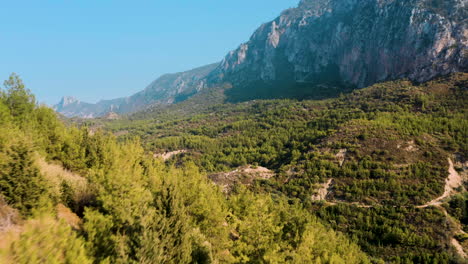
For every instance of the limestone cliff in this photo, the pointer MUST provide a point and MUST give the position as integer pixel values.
(359, 42)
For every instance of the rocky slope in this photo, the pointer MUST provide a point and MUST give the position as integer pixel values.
(167, 89)
(354, 42)
(322, 47)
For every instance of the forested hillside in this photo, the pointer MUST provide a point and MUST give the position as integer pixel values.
(75, 195)
(385, 164)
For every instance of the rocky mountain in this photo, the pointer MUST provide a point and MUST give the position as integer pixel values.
(322, 47)
(167, 89)
(354, 43)
(70, 106)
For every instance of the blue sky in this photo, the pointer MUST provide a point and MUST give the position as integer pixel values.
(103, 49)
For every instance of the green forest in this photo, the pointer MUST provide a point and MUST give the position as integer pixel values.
(235, 182)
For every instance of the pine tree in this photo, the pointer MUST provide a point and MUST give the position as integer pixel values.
(167, 239)
(5, 116)
(47, 241)
(19, 99)
(20, 180)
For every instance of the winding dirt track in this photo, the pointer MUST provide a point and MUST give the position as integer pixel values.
(459, 248)
(453, 181)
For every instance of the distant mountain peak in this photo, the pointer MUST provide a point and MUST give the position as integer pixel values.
(68, 100)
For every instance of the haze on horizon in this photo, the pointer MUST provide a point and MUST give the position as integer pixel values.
(107, 49)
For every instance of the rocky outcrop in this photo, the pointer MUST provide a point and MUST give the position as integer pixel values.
(72, 107)
(358, 42)
(244, 175)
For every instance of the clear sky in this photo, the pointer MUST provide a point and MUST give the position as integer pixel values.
(103, 49)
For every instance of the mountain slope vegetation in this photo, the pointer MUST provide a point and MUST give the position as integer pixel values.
(117, 204)
(384, 149)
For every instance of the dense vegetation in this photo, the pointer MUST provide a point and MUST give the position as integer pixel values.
(74, 195)
(82, 195)
(394, 138)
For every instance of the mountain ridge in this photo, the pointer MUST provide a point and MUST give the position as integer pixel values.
(166, 89)
(322, 48)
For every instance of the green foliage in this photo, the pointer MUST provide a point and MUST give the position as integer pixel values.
(401, 234)
(47, 241)
(166, 239)
(50, 130)
(275, 232)
(458, 208)
(5, 116)
(397, 138)
(20, 181)
(19, 100)
(67, 195)
(133, 223)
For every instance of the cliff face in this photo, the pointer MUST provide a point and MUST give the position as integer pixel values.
(355, 42)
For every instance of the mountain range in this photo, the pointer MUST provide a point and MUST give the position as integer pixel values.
(318, 47)
(167, 89)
